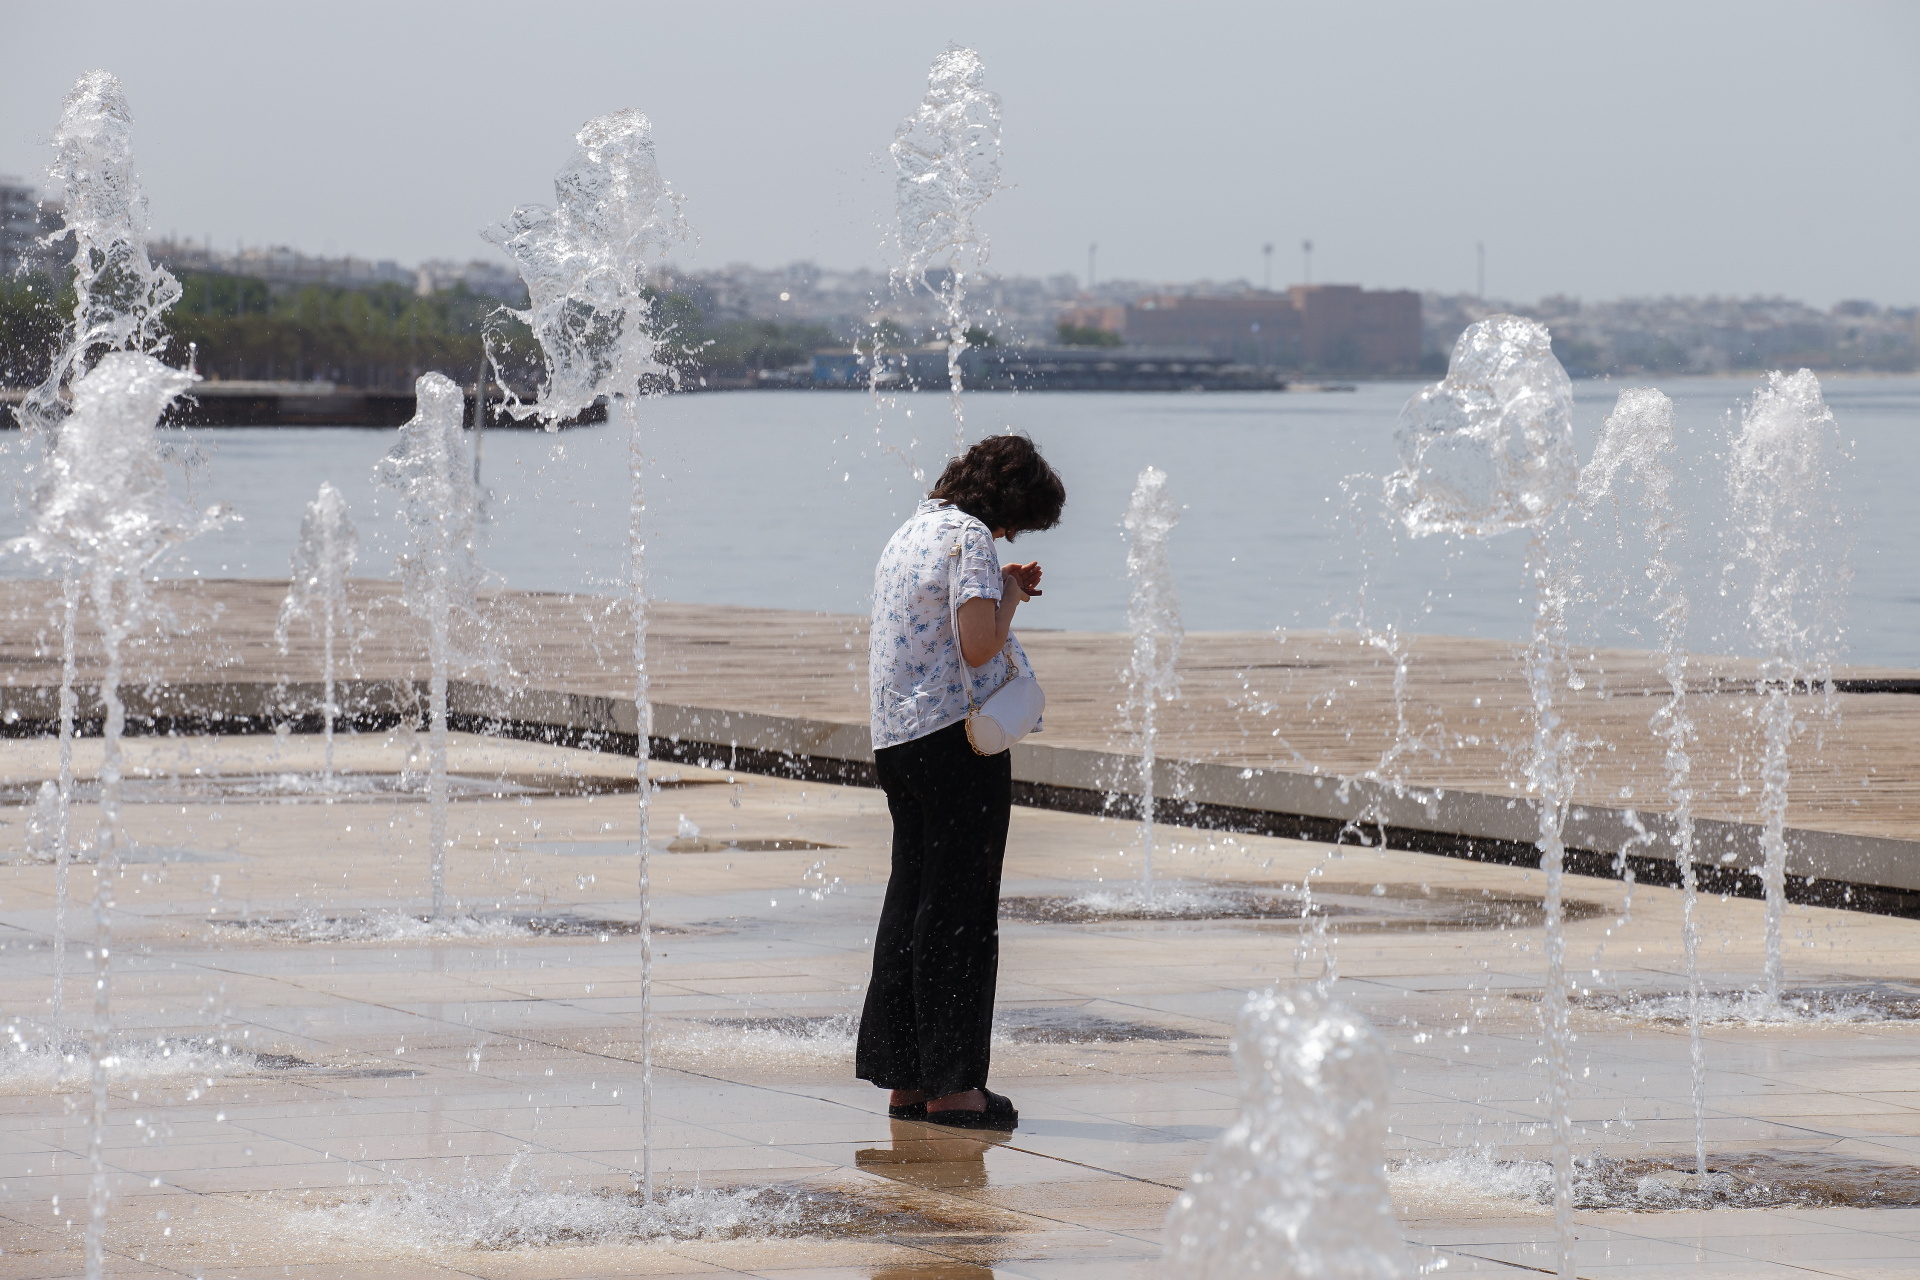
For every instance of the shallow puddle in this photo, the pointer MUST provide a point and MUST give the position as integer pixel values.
(514, 1212)
(745, 845)
(1811, 1006)
(1753, 1180)
(133, 855)
(1734, 1180)
(314, 788)
(1170, 903)
(803, 1026)
(1077, 1026)
(1379, 907)
(399, 926)
(192, 1062)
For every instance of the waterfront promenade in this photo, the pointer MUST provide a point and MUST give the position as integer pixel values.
(1266, 724)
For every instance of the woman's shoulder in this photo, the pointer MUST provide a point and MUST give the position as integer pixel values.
(915, 539)
(934, 518)
(947, 517)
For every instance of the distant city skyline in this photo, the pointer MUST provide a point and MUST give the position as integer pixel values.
(1602, 151)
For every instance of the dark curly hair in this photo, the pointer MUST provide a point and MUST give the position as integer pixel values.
(1004, 483)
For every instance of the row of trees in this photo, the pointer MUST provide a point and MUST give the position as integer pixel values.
(378, 338)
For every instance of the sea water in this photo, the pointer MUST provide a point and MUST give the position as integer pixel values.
(783, 499)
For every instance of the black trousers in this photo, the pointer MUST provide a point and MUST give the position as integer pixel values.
(928, 1021)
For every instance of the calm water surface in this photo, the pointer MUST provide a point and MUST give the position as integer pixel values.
(784, 499)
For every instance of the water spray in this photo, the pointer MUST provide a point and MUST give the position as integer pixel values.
(1638, 438)
(1782, 492)
(317, 591)
(120, 299)
(103, 510)
(588, 263)
(1153, 618)
(1486, 451)
(432, 469)
(947, 159)
(1296, 1188)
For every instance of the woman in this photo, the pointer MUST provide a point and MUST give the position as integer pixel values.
(929, 1011)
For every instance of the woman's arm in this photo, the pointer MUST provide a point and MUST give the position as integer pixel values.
(984, 623)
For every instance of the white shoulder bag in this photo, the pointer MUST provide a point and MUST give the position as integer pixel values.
(1011, 711)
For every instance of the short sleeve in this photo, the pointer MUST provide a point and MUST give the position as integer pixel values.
(978, 573)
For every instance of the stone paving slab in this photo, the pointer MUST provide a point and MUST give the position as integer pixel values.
(434, 1064)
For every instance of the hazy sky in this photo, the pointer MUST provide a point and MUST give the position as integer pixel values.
(1598, 149)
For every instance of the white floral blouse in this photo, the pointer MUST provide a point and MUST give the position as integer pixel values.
(913, 663)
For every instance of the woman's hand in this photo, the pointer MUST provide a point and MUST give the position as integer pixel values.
(1025, 577)
(984, 623)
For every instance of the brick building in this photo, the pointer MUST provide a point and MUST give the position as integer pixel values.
(1335, 328)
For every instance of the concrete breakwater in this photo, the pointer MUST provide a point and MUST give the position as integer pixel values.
(267, 403)
(1277, 735)
(301, 404)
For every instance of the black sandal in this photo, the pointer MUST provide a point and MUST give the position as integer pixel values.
(998, 1114)
(908, 1111)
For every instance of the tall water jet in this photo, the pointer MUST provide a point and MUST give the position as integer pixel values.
(69, 707)
(1786, 529)
(1638, 438)
(120, 298)
(1487, 450)
(432, 469)
(102, 507)
(317, 591)
(1297, 1186)
(587, 263)
(946, 156)
(1153, 617)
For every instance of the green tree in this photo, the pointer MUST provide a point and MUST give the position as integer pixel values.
(382, 338)
(885, 334)
(31, 316)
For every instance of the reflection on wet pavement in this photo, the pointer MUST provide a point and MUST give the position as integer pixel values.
(928, 1156)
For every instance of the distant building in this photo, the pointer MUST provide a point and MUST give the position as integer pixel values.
(20, 228)
(1693, 335)
(1334, 327)
(279, 265)
(843, 367)
(924, 365)
(851, 302)
(486, 279)
(1019, 368)
(1107, 319)
(1255, 328)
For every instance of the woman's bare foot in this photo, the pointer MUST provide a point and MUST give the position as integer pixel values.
(906, 1097)
(969, 1100)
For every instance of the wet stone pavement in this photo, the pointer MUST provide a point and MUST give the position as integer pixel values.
(314, 1081)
